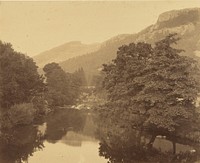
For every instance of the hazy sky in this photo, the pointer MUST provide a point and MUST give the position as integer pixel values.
(33, 27)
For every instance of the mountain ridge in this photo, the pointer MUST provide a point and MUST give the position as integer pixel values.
(64, 52)
(184, 22)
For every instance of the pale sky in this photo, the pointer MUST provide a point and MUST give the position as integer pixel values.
(33, 27)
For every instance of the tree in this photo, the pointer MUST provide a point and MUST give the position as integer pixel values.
(20, 143)
(99, 91)
(75, 86)
(19, 78)
(80, 75)
(57, 84)
(152, 89)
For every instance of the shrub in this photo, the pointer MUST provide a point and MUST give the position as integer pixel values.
(20, 114)
(40, 105)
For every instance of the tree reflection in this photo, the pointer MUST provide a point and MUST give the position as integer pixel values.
(121, 144)
(62, 121)
(17, 144)
(117, 150)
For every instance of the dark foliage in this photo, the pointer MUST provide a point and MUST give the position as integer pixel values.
(19, 79)
(63, 88)
(151, 89)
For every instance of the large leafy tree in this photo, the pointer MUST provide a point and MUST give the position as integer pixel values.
(63, 88)
(151, 89)
(19, 78)
(57, 84)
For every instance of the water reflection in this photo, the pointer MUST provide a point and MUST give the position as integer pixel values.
(60, 122)
(62, 153)
(66, 135)
(71, 136)
(17, 144)
(138, 154)
(120, 145)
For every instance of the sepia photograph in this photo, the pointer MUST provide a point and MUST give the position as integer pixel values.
(100, 81)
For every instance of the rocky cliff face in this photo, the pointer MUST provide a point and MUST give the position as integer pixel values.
(180, 17)
(186, 23)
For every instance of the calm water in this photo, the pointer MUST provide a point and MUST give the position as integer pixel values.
(75, 142)
(73, 147)
(65, 136)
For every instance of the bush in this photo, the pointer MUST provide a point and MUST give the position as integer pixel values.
(19, 114)
(56, 98)
(40, 105)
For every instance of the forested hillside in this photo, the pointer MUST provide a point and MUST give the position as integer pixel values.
(64, 52)
(186, 23)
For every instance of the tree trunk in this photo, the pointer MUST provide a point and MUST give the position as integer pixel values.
(150, 144)
(174, 147)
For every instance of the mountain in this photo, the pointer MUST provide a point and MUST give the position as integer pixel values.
(185, 22)
(64, 52)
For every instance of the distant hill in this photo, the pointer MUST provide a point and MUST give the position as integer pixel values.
(92, 62)
(64, 52)
(185, 22)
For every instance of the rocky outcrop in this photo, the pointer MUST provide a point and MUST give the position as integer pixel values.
(179, 17)
(186, 23)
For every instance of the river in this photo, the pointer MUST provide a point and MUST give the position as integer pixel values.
(68, 135)
(65, 136)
